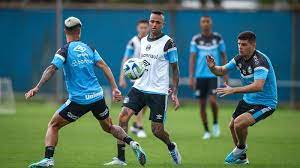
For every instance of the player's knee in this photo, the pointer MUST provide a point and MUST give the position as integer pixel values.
(156, 130)
(238, 125)
(54, 125)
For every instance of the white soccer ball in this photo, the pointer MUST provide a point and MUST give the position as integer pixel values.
(134, 68)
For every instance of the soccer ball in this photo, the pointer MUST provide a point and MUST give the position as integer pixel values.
(134, 68)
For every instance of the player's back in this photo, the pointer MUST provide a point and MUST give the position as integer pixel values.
(81, 81)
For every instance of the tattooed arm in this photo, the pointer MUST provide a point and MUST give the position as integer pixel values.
(48, 73)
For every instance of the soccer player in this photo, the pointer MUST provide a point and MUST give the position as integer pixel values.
(259, 88)
(160, 53)
(85, 94)
(133, 49)
(201, 79)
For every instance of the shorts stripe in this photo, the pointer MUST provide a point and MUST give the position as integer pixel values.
(63, 106)
(166, 108)
(261, 112)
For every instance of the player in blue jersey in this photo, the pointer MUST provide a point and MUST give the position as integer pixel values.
(85, 93)
(133, 50)
(201, 79)
(259, 88)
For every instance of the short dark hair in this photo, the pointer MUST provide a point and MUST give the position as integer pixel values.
(157, 12)
(142, 21)
(247, 35)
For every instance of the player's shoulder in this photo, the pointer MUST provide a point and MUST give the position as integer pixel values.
(217, 36)
(63, 51)
(260, 59)
(238, 58)
(196, 37)
(170, 43)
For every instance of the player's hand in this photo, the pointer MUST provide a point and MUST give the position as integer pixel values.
(31, 93)
(227, 90)
(122, 83)
(117, 96)
(175, 101)
(192, 83)
(210, 61)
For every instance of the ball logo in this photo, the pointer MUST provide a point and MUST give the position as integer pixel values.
(148, 47)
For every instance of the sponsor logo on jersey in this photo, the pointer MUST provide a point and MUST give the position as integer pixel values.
(150, 56)
(91, 96)
(79, 48)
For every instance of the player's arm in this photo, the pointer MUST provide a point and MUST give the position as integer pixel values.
(128, 54)
(122, 81)
(110, 77)
(57, 63)
(172, 57)
(217, 70)
(260, 75)
(224, 62)
(192, 61)
(47, 75)
(256, 86)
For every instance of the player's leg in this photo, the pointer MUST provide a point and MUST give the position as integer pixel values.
(64, 115)
(158, 106)
(202, 87)
(232, 131)
(137, 127)
(213, 82)
(133, 103)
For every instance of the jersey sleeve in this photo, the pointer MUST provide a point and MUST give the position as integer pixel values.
(193, 46)
(97, 56)
(222, 47)
(129, 50)
(261, 69)
(60, 57)
(170, 51)
(230, 65)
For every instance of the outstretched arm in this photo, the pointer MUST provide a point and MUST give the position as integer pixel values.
(256, 86)
(109, 75)
(122, 81)
(217, 70)
(48, 73)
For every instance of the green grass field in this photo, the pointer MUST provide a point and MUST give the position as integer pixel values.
(273, 143)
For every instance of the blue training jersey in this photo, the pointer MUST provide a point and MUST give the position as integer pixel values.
(203, 45)
(78, 61)
(257, 67)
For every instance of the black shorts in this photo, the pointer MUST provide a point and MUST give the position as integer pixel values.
(205, 87)
(136, 100)
(72, 111)
(258, 112)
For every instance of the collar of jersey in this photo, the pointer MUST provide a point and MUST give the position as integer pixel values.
(156, 38)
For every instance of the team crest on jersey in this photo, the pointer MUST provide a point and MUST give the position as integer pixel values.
(148, 47)
(249, 70)
(201, 42)
(79, 48)
(256, 60)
